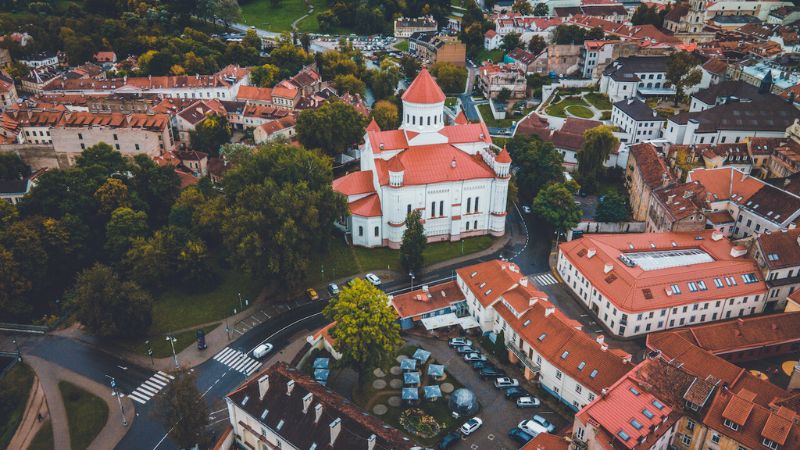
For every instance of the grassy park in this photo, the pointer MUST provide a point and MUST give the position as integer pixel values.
(261, 14)
(86, 414)
(14, 388)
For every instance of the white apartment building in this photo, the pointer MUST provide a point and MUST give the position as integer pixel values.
(637, 121)
(636, 76)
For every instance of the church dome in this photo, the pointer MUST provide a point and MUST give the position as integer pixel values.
(424, 90)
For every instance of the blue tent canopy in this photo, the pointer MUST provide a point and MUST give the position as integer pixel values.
(321, 374)
(422, 355)
(408, 364)
(321, 363)
(411, 378)
(436, 370)
(432, 392)
(410, 394)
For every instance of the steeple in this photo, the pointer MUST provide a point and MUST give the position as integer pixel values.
(424, 90)
(423, 105)
(373, 126)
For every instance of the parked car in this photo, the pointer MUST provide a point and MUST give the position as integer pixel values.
(532, 427)
(516, 392)
(261, 351)
(465, 349)
(459, 341)
(372, 278)
(506, 382)
(491, 372)
(474, 357)
(449, 440)
(526, 209)
(528, 402)
(520, 435)
(312, 294)
(544, 422)
(333, 289)
(470, 426)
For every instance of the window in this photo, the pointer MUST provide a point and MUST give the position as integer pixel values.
(749, 278)
(647, 413)
(469, 204)
(636, 424)
(715, 438)
(623, 435)
(718, 282)
(476, 203)
(116, 146)
(115, 137)
(80, 136)
(408, 209)
(690, 424)
(361, 231)
(467, 226)
(676, 289)
(593, 374)
(441, 208)
(433, 209)
(578, 388)
(770, 444)
(692, 286)
(558, 374)
(732, 425)
(377, 231)
(581, 365)
(686, 439)
(702, 285)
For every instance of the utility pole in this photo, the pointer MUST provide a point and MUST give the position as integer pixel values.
(240, 302)
(115, 393)
(411, 274)
(172, 340)
(19, 353)
(150, 352)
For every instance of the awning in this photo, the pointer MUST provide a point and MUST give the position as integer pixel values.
(468, 322)
(408, 364)
(410, 394)
(422, 355)
(448, 320)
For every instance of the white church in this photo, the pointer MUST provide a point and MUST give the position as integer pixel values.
(449, 173)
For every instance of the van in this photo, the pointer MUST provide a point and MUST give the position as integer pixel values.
(262, 350)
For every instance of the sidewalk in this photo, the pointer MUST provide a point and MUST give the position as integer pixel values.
(30, 424)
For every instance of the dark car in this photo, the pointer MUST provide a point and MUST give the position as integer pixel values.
(477, 365)
(520, 435)
(464, 349)
(515, 392)
(449, 440)
(492, 372)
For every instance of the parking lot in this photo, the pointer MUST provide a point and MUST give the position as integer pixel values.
(499, 415)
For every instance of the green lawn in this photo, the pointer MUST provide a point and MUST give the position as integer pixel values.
(86, 414)
(15, 386)
(486, 113)
(160, 345)
(600, 101)
(557, 109)
(261, 14)
(495, 55)
(343, 260)
(402, 45)
(176, 310)
(44, 438)
(580, 111)
(450, 102)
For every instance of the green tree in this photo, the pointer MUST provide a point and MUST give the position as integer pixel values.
(613, 208)
(365, 330)
(111, 195)
(103, 156)
(682, 72)
(413, 245)
(555, 205)
(251, 39)
(386, 115)
(122, 228)
(349, 83)
(289, 58)
(108, 306)
(646, 14)
(569, 34)
(598, 142)
(333, 127)
(13, 287)
(451, 78)
(210, 134)
(409, 67)
(537, 43)
(327, 21)
(181, 409)
(305, 41)
(541, 9)
(383, 82)
(522, 7)
(171, 253)
(265, 75)
(503, 95)
(12, 167)
(282, 209)
(537, 164)
(511, 41)
(472, 36)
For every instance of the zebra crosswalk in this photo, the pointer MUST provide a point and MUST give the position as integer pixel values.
(151, 387)
(237, 360)
(544, 279)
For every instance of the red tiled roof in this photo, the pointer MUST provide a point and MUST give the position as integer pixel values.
(373, 126)
(744, 333)
(285, 89)
(490, 34)
(435, 163)
(461, 119)
(490, 279)
(369, 206)
(726, 183)
(503, 156)
(652, 168)
(418, 302)
(546, 441)
(354, 183)
(757, 421)
(254, 93)
(780, 249)
(424, 90)
(389, 139)
(471, 132)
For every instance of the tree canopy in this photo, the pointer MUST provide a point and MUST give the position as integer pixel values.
(451, 78)
(613, 208)
(538, 164)
(555, 204)
(333, 127)
(414, 242)
(386, 114)
(181, 409)
(682, 72)
(209, 135)
(598, 143)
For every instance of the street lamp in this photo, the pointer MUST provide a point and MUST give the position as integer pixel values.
(19, 353)
(411, 274)
(150, 352)
(172, 341)
(115, 393)
(240, 302)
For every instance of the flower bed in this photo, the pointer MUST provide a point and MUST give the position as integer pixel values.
(416, 422)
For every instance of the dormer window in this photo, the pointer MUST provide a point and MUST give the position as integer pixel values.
(769, 444)
(730, 424)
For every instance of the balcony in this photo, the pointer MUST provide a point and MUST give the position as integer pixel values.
(523, 358)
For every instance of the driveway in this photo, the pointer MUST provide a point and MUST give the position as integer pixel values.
(498, 414)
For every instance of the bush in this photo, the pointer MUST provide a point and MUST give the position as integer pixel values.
(605, 115)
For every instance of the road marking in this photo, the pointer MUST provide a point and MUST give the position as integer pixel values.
(151, 387)
(237, 360)
(544, 279)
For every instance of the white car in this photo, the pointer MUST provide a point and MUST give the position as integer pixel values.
(528, 402)
(532, 427)
(469, 357)
(262, 350)
(526, 209)
(471, 425)
(506, 382)
(372, 278)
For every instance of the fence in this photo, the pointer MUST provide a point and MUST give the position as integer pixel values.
(589, 227)
(20, 328)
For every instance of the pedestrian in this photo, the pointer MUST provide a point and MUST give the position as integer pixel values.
(39, 417)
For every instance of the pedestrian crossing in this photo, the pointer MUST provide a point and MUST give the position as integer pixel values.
(237, 360)
(151, 387)
(545, 279)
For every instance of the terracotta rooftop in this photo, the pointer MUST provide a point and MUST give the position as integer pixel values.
(418, 302)
(744, 333)
(435, 163)
(726, 183)
(652, 167)
(354, 183)
(369, 206)
(424, 90)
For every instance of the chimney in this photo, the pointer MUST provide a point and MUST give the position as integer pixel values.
(604, 347)
(317, 412)
(263, 386)
(371, 442)
(591, 252)
(716, 235)
(630, 100)
(307, 402)
(608, 268)
(670, 198)
(549, 310)
(604, 392)
(336, 427)
(453, 163)
(289, 387)
(600, 339)
(523, 281)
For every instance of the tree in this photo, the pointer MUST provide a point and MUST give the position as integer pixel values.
(12, 167)
(289, 58)
(327, 21)
(522, 7)
(503, 95)
(349, 83)
(305, 41)
(409, 67)
(682, 72)
(450, 77)
(538, 164)
(265, 75)
(365, 327)
(645, 14)
(122, 228)
(210, 134)
(171, 253)
(111, 195)
(555, 205)
(541, 9)
(155, 187)
(613, 208)
(537, 44)
(333, 127)
(108, 306)
(569, 34)
(386, 115)
(181, 409)
(511, 41)
(413, 245)
(103, 156)
(227, 11)
(383, 82)
(472, 36)
(13, 286)
(251, 39)
(281, 209)
(597, 145)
